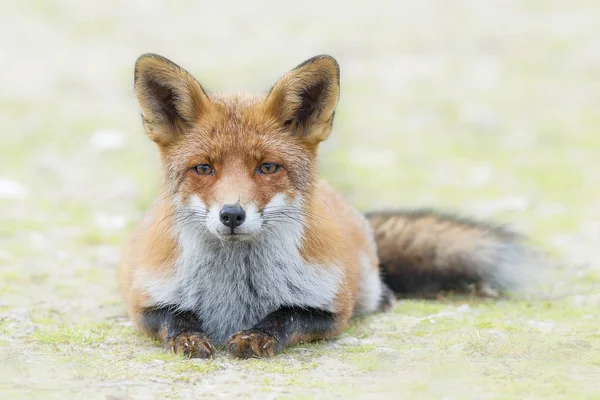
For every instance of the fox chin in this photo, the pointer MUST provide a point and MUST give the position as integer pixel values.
(247, 248)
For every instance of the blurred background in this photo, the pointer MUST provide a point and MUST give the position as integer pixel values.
(486, 108)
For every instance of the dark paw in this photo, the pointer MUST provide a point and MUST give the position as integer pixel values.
(191, 344)
(251, 343)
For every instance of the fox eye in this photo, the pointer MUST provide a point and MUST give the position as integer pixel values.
(268, 168)
(204, 169)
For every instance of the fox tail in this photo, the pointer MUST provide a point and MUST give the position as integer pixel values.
(424, 252)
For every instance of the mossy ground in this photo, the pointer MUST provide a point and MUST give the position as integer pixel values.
(488, 108)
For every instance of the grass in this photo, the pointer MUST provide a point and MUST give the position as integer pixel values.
(159, 355)
(187, 368)
(74, 335)
(487, 110)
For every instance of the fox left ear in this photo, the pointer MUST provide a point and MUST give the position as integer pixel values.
(304, 100)
(169, 97)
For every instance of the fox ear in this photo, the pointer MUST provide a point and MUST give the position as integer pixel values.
(304, 100)
(169, 97)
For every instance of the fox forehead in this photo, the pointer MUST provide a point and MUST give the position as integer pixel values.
(237, 128)
(237, 102)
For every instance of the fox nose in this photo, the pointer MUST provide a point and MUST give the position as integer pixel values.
(232, 215)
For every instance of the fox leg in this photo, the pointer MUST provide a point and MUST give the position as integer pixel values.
(285, 327)
(179, 331)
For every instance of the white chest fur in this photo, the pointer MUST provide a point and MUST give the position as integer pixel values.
(232, 286)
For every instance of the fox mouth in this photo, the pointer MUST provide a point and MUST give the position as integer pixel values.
(234, 236)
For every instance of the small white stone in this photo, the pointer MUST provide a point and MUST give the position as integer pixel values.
(516, 203)
(107, 139)
(542, 326)
(579, 300)
(38, 240)
(348, 341)
(464, 308)
(480, 174)
(109, 222)
(457, 347)
(157, 363)
(368, 341)
(375, 157)
(5, 255)
(10, 189)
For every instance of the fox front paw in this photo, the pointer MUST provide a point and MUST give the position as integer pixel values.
(191, 344)
(251, 343)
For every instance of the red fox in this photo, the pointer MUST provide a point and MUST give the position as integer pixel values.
(247, 248)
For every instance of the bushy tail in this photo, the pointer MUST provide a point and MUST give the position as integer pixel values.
(424, 252)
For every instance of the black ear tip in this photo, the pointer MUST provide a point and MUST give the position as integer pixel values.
(149, 56)
(328, 57)
(325, 57)
(321, 58)
(155, 58)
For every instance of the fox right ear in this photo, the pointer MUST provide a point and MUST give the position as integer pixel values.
(304, 100)
(170, 98)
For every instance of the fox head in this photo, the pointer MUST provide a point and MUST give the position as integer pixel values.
(237, 166)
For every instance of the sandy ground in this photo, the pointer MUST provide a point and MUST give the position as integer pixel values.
(488, 108)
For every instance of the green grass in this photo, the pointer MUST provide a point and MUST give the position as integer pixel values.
(187, 368)
(91, 334)
(160, 355)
